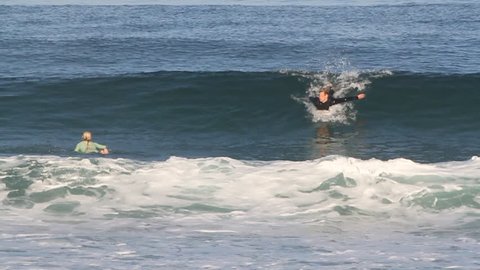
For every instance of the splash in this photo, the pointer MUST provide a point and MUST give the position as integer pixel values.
(345, 81)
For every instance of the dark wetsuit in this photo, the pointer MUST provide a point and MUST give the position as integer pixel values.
(331, 101)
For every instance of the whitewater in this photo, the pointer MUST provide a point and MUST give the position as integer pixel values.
(195, 213)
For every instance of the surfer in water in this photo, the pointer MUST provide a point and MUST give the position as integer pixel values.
(325, 99)
(86, 146)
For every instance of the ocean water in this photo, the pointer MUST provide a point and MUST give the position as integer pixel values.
(218, 160)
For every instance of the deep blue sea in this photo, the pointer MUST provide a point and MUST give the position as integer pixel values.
(217, 158)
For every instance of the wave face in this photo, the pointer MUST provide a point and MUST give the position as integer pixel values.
(259, 115)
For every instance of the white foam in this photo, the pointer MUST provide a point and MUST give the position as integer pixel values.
(344, 80)
(217, 188)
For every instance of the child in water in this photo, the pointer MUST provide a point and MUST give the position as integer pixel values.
(86, 146)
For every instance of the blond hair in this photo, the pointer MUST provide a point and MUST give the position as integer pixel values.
(87, 136)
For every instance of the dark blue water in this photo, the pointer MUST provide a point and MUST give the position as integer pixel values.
(156, 81)
(424, 117)
(40, 41)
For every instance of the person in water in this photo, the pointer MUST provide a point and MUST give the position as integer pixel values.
(325, 99)
(86, 146)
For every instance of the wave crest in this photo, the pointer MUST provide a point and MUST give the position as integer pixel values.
(332, 188)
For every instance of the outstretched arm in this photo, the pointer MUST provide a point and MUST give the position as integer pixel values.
(345, 99)
(102, 149)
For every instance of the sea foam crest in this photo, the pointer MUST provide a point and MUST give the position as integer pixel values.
(334, 187)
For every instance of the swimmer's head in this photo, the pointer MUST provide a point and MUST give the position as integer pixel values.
(327, 88)
(87, 136)
(325, 92)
